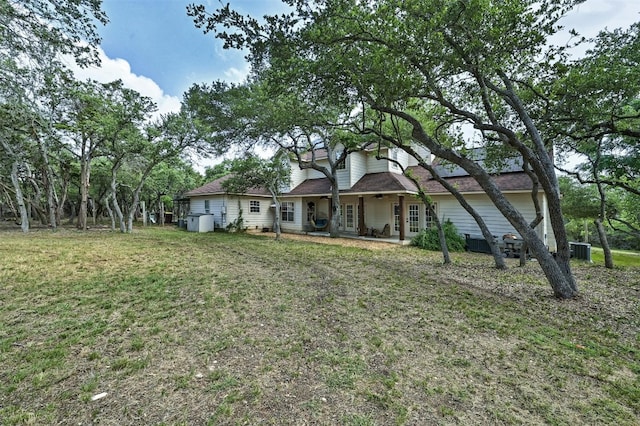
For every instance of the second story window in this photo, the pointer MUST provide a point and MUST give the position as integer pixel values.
(342, 165)
(394, 157)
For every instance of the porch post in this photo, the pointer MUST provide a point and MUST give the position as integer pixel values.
(330, 210)
(401, 208)
(362, 230)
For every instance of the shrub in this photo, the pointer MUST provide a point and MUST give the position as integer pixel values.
(428, 238)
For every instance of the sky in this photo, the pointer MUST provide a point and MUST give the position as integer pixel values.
(154, 47)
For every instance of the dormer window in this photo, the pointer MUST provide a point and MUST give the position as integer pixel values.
(342, 165)
(394, 157)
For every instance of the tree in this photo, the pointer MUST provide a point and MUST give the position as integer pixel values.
(252, 171)
(397, 134)
(13, 140)
(33, 33)
(597, 119)
(481, 61)
(34, 29)
(260, 115)
(171, 136)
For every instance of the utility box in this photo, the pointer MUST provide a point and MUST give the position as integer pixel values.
(200, 222)
(581, 251)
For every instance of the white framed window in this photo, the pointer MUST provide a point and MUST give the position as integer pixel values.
(342, 165)
(254, 206)
(394, 157)
(428, 216)
(287, 211)
(349, 216)
(207, 208)
(414, 217)
(396, 217)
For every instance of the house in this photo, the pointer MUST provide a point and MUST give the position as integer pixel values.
(374, 193)
(213, 199)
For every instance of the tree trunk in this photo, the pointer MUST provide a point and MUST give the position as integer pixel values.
(84, 192)
(49, 179)
(114, 198)
(557, 270)
(446, 258)
(276, 222)
(484, 229)
(94, 211)
(136, 197)
(24, 214)
(62, 201)
(334, 225)
(602, 234)
(110, 212)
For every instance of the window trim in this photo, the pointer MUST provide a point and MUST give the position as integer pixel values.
(287, 211)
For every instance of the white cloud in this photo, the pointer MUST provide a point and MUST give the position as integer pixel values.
(235, 75)
(114, 69)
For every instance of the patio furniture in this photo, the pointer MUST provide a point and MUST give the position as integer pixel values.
(319, 224)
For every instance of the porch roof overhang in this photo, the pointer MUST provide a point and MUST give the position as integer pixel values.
(512, 182)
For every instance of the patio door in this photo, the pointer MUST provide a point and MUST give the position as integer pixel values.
(414, 218)
(348, 217)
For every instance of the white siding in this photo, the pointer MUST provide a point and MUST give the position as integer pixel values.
(378, 212)
(297, 175)
(196, 205)
(422, 152)
(215, 207)
(343, 178)
(357, 166)
(298, 212)
(376, 166)
(314, 174)
(449, 208)
(264, 219)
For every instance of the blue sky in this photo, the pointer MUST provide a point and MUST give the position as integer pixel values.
(160, 41)
(154, 47)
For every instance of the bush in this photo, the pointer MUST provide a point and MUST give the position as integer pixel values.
(428, 238)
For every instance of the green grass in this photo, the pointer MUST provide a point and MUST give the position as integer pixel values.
(620, 257)
(184, 328)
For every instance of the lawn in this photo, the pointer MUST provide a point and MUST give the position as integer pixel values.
(169, 327)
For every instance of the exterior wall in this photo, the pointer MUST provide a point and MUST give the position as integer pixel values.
(376, 166)
(225, 210)
(297, 175)
(216, 203)
(422, 152)
(449, 208)
(357, 167)
(378, 212)
(343, 177)
(264, 219)
(299, 211)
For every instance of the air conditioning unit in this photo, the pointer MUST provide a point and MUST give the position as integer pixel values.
(581, 251)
